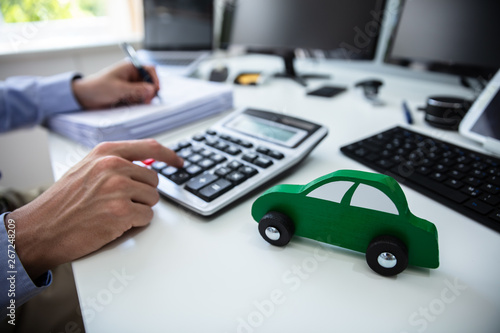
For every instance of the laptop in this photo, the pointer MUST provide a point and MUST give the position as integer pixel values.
(482, 121)
(178, 35)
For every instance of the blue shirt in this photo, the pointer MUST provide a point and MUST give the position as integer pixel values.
(27, 101)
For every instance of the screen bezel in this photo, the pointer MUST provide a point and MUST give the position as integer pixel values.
(478, 108)
(433, 65)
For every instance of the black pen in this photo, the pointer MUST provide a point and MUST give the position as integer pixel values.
(407, 112)
(130, 52)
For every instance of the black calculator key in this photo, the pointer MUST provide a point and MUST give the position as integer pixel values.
(223, 171)
(158, 165)
(234, 165)
(249, 157)
(194, 170)
(248, 171)
(195, 158)
(262, 150)
(169, 171)
(199, 137)
(218, 158)
(214, 190)
(276, 154)
(206, 163)
(236, 177)
(232, 150)
(221, 145)
(200, 181)
(245, 144)
(180, 177)
(263, 162)
(211, 132)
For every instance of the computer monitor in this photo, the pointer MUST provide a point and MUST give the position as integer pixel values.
(178, 24)
(452, 36)
(347, 29)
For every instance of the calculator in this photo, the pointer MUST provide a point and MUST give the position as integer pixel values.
(238, 154)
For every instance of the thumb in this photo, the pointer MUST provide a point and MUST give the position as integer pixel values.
(137, 92)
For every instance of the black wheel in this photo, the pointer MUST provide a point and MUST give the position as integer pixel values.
(276, 228)
(387, 255)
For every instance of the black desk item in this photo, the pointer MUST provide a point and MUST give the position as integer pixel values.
(461, 179)
(327, 91)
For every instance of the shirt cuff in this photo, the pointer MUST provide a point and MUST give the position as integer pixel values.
(56, 94)
(15, 283)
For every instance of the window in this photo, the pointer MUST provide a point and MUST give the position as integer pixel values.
(371, 198)
(27, 25)
(333, 191)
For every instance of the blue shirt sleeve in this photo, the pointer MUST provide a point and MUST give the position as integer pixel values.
(28, 101)
(16, 287)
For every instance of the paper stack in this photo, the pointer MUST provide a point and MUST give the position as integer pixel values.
(183, 100)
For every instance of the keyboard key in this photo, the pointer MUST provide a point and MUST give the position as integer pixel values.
(248, 171)
(206, 163)
(232, 150)
(215, 190)
(236, 177)
(479, 206)
(222, 171)
(262, 162)
(194, 170)
(158, 165)
(234, 165)
(249, 157)
(180, 177)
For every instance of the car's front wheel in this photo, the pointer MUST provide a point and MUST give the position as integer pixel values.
(387, 255)
(276, 228)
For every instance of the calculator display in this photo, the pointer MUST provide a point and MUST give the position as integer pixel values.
(267, 130)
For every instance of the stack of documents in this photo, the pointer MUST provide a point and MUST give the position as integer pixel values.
(182, 100)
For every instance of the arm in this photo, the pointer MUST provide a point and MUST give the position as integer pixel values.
(27, 101)
(95, 202)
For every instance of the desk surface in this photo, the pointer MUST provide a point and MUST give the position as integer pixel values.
(184, 273)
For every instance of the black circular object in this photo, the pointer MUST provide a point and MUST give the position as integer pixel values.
(446, 112)
(281, 228)
(387, 255)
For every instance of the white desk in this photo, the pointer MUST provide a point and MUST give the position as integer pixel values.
(184, 273)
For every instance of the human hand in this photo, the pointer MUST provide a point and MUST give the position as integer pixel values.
(119, 84)
(95, 202)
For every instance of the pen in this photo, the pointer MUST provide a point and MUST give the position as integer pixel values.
(407, 112)
(130, 52)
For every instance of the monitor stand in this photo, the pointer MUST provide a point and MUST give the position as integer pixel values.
(291, 73)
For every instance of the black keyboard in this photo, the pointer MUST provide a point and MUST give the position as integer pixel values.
(461, 179)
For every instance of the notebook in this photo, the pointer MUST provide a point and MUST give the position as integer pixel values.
(482, 121)
(178, 35)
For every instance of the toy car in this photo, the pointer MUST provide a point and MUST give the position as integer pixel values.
(361, 211)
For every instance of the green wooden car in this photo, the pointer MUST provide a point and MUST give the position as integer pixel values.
(361, 211)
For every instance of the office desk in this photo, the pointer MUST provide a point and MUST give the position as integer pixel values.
(184, 273)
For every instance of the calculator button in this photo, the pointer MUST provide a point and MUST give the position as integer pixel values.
(223, 171)
(158, 165)
(211, 132)
(185, 153)
(236, 177)
(200, 181)
(198, 137)
(218, 158)
(194, 170)
(180, 177)
(195, 158)
(234, 165)
(206, 163)
(262, 162)
(262, 150)
(232, 150)
(249, 157)
(248, 171)
(206, 153)
(215, 189)
(276, 154)
(221, 145)
(169, 171)
(245, 144)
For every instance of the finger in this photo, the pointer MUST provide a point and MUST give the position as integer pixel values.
(152, 72)
(144, 194)
(143, 214)
(143, 175)
(135, 92)
(139, 150)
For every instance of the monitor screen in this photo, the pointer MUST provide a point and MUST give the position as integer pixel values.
(178, 24)
(346, 28)
(452, 36)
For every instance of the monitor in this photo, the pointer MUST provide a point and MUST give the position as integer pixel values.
(452, 36)
(347, 29)
(178, 24)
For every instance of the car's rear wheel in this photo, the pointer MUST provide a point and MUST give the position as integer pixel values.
(276, 228)
(387, 255)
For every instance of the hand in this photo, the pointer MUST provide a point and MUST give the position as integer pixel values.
(120, 84)
(95, 202)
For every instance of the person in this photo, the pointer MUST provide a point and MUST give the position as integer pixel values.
(97, 200)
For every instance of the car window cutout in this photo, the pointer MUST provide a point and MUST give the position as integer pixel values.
(372, 198)
(333, 191)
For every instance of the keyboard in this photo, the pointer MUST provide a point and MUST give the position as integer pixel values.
(461, 179)
(240, 153)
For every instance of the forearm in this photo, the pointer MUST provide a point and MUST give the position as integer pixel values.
(27, 101)
(15, 283)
